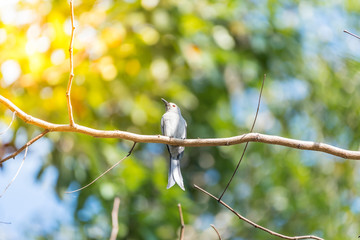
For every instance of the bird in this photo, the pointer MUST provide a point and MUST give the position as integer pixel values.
(173, 125)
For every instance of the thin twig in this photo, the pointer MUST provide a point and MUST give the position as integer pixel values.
(259, 101)
(114, 218)
(1, 222)
(12, 120)
(16, 174)
(182, 229)
(217, 232)
(352, 34)
(254, 224)
(247, 143)
(71, 76)
(25, 146)
(101, 175)
(198, 142)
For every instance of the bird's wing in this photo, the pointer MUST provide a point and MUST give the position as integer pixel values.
(185, 126)
(162, 125)
(165, 129)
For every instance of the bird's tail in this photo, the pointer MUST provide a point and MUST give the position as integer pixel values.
(175, 174)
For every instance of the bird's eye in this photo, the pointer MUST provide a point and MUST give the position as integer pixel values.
(174, 105)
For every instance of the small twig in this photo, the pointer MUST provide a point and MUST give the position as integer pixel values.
(114, 218)
(352, 34)
(217, 232)
(247, 143)
(101, 175)
(16, 174)
(1, 222)
(254, 224)
(25, 146)
(182, 229)
(71, 76)
(259, 101)
(12, 120)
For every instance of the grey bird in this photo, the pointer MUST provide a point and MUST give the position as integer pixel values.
(174, 125)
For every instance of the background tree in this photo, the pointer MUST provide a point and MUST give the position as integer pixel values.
(209, 58)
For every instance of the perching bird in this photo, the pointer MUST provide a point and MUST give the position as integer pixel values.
(174, 125)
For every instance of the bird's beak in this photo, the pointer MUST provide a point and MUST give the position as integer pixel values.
(165, 102)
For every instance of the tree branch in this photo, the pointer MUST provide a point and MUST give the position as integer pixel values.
(352, 34)
(101, 175)
(217, 232)
(182, 229)
(71, 76)
(254, 224)
(114, 218)
(25, 146)
(247, 143)
(248, 137)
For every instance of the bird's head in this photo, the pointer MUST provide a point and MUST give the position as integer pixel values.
(171, 107)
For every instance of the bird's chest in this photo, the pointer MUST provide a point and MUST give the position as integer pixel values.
(174, 125)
